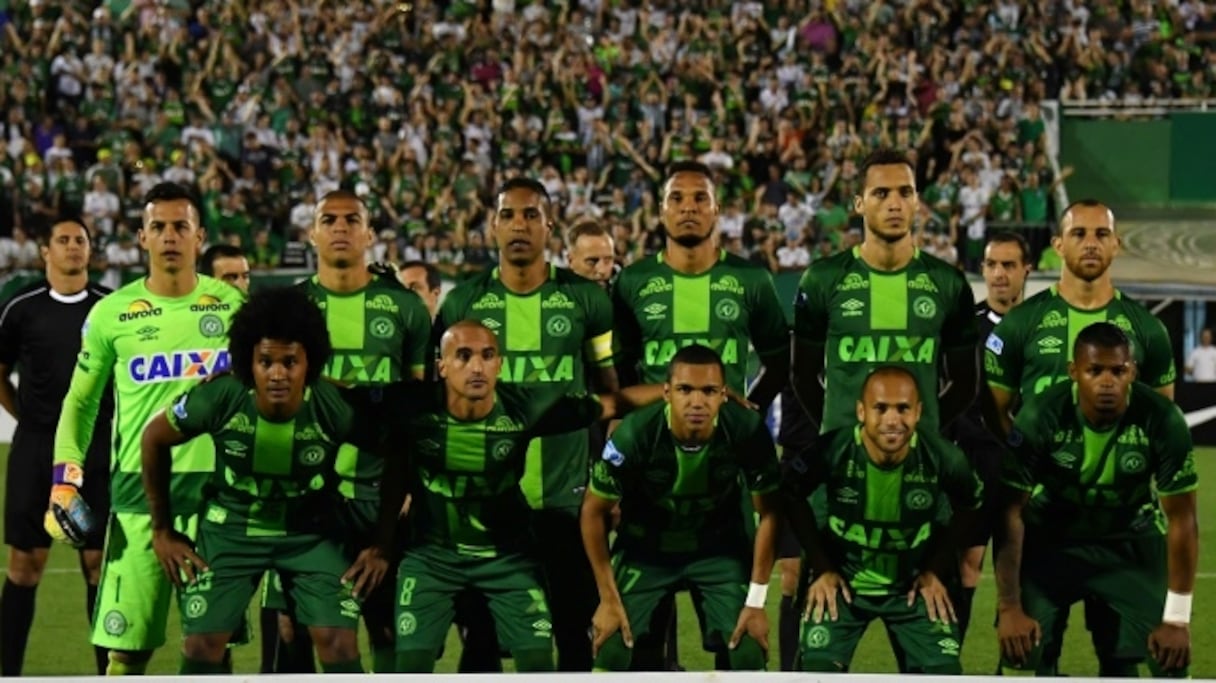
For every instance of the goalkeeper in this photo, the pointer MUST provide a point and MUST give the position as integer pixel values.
(155, 337)
(273, 498)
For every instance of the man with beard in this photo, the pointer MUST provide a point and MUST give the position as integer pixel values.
(883, 302)
(552, 325)
(1029, 351)
(693, 292)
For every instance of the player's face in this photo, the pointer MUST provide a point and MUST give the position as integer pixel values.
(1004, 271)
(689, 208)
(889, 201)
(232, 269)
(696, 394)
(592, 257)
(520, 226)
(341, 232)
(414, 279)
(67, 252)
(889, 411)
(279, 372)
(1103, 377)
(469, 363)
(171, 235)
(1087, 242)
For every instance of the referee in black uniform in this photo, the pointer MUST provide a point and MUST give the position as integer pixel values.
(40, 333)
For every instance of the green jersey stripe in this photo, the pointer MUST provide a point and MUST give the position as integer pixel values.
(883, 488)
(690, 305)
(466, 446)
(523, 323)
(344, 319)
(888, 301)
(1079, 320)
(272, 447)
(532, 483)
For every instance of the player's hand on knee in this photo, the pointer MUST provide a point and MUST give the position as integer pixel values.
(753, 621)
(821, 596)
(609, 618)
(937, 599)
(177, 557)
(367, 572)
(68, 518)
(1018, 634)
(1170, 645)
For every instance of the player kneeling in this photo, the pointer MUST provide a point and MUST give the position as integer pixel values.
(1101, 487)
(271, 500)
(675, 469)
(882, 557)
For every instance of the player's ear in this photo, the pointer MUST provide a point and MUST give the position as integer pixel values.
(1072, 370)
(857, 203)
(441, 366)
(667, 392)
(861, 411)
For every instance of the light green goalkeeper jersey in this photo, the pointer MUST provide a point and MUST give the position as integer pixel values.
(155, 348)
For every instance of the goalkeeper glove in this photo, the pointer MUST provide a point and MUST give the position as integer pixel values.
(68, 517)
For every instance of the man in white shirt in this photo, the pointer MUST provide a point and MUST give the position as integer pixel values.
(1201, 364)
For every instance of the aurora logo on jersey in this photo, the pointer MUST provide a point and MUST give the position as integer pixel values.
(882, 348)
(488, 301)
(168, 367)
(727, 283)
(1053, 319)
(381, 302)
(557, 300)
(851, 282)
(923, 283)
(656, 285)
(531, 369)
(140, 308)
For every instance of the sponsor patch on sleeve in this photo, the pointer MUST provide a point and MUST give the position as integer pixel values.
(994, 344)
(613, 456)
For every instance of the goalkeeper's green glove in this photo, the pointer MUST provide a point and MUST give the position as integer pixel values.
(68, 517)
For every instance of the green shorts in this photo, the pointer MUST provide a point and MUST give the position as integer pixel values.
(311, 567)
(1128, 577)
(430, 577)
(717, 583)
(133, 594)
(930, 647)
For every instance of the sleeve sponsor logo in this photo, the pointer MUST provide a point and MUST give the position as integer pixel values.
(613, 456)
(994, 344)
(179, 408)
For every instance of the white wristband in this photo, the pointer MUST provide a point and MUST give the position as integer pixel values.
(757, 595)
(1177, 608)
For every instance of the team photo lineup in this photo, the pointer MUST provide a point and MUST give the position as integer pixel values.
(545, 456)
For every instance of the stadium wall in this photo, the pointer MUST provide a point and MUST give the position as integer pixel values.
(1132, 164)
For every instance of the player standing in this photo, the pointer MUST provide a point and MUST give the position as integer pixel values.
(271, 502)
(675, 470)
(1005, 266)
(228, 263)
(879, 556)
(694, 292)
(590, 251)
(469, 520)
(1101, 505)
(40, 334)
(553, 325)
(380, 333)
(154, 337)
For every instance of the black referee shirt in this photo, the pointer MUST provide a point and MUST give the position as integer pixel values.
(40, 334)
(971, 423)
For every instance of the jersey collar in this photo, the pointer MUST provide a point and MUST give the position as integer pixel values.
(496, 274)
(68, 298)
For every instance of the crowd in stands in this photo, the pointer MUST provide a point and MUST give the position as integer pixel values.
(423, 107)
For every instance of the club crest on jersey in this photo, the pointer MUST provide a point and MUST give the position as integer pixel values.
(167, 367)
(140, 308)
(727, 310)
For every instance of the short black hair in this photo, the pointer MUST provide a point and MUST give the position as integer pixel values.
(696, 354)
(884, 156)
(433, 278)
(690, 166)
(43, 238)
(1011, 237)
(1103, 335)
(342, 194)
(886, 371)
(1089, 203)
(520, 182)
(282, 314)
(206, 264)
(173, 192)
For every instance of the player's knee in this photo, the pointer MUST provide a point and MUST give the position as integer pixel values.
(205, 647)
(789, 575)
(90, 566)
(533, 659)
(287, 628)
(747, 655)
(25, 568)
(613, 655)
(335, 644)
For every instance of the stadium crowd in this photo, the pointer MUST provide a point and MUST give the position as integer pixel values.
(423, 108)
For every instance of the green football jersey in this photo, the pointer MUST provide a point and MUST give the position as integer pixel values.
(272, 478)
(659, 310)
(1089, 484)
(154, 347)
(380, 334)
(465, 476)
(879, 520)
(1029, 350)
(677, 500)
(547, 338)
(866, 318)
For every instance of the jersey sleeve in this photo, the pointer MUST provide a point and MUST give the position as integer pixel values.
(416, 343)
(597, 343)
(206, 407)
(1158, 369)
(94, 367)
(608, 471)
(959, 329)
(10, 333)
(757, 455)
(567, 414)
(1025, 446)
(1174, 454)
(959, 480)
(767, 326)
(811, 309)
(1003, 354)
